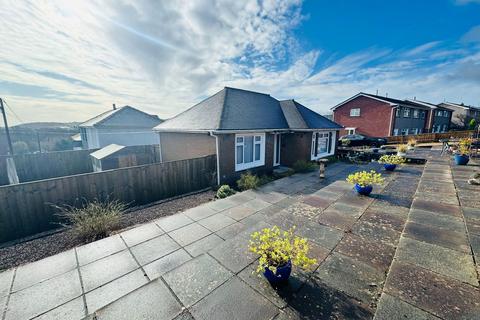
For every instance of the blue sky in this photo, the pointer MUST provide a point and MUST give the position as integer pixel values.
(68, 61)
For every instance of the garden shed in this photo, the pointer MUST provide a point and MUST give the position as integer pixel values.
(116, 156)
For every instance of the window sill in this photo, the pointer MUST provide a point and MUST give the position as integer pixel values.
(246, 166)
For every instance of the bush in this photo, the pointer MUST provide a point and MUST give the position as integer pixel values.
(248, 181)
(265, 179)
(225, 191)
(303, 166)
(94, 220)
(472, 124)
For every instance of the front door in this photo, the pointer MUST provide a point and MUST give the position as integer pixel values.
(276, 149)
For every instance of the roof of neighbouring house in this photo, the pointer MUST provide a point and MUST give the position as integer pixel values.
(459, 105)
(106, 151)
(391, 101)
(105, 116)
(234, 109)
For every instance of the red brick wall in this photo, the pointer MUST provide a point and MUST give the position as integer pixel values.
(374, 117)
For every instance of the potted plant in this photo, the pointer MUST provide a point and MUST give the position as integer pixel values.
(411, 144)
(462, 153)
(390, 162)
(278, 251)
(363, 181)
(402, 150)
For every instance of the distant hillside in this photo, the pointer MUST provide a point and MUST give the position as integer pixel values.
(47, 126)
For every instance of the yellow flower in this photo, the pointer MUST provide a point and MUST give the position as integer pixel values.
(393, 159)
(364, 178)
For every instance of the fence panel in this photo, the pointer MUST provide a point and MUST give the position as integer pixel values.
(430, 137)
(27, 208)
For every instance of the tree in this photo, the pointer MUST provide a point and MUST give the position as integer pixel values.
(472, 124)
(64, 144)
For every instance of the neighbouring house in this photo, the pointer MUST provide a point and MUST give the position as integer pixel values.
(247, 131)
(125, 126)
(115, 156)
(379, 116)
(462, 114)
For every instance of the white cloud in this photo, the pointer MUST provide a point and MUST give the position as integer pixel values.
(71, 60)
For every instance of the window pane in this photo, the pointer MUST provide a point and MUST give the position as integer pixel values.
(248, 152)
(258, 138)
(239, 139)
(257, 151)
(322, 146)
(239, 154)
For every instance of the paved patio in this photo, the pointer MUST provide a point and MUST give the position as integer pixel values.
(407, 252)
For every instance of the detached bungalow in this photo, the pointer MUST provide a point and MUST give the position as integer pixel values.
(247, 131)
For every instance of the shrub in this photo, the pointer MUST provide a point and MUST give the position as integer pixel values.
(393, 159)
(472, 124)
(225, 191)
(265, 179)
(277, 247)
(402, 148)
(464, 146)
(94, 220)
(364, 178)
(248, 181)
(303, 166)
(345, 142)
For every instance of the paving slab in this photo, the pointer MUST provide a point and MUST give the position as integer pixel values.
(189, 234)
(114, 290)
(318, 201)
(231, 231)
(352, 277)
(72, 310)
(471, 213)
(185, 315)
(395, 221)
(165, 264)
(44, 296)
(375, 232)
(107, 269)
(442, 237)
(271, 197)
(354, 199)
(445, 198)
(204, 245)
(475, 242)
(35, 272)
(196, 278)
(437, 220)
(239, 212)
(216, 222)
(152, 301)
(445, 261)
(234, 300)
(242, 197)
(392, 308)
(234, 254)
(323, 235)
(6, 278)
(200, 212)
(154, 249)
(99, 249)
(374, 253)
(271, 210)
(318, 301)
(337, 219)
(300, 209)
(175, 221)
(284, 203)
(141, 233)
(437, 207)
(257, 204)
(444, 297)
(254, 219)
(222, 204)
(345, 208)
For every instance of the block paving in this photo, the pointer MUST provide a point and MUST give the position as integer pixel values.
(409, 251)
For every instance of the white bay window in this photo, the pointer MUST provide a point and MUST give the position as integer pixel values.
(323, 144)
(249, 151)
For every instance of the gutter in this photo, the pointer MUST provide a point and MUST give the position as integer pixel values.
(217, 149)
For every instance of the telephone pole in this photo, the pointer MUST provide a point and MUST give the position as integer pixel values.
(7, 131)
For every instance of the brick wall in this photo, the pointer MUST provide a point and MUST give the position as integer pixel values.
(374, 119)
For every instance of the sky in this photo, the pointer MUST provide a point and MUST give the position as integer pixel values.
(70, 60)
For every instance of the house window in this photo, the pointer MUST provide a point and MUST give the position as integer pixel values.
(422, 114)
(445, 113)
(322, 144)
(249, 151)
(397, 112)
(444, 129)
(414, 131)
(406, 112)
(355, 112)
(395, 132)
(404, 131)
(415, 113)
(350, 130)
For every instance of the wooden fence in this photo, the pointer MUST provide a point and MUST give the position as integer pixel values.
(39, 166)
(27, 208)
(430, 137)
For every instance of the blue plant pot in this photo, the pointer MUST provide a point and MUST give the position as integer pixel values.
(280, 276)
(389, 166)
(364, 191)
(461, 159)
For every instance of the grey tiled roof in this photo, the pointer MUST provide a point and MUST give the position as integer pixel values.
(237, 109)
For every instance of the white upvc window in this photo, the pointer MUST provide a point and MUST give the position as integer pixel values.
(249, 151)
(406, 112)
(422, 114)
(414, 131)
(323, 144)
(350, 130)
(404, 131)
(395, 132)
(444, 129)
(415, 113)
(355, 112)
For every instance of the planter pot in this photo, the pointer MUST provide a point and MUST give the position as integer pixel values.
(461, 159)
(364, 191)
(401, 154)
(389, 166)
(280, 276)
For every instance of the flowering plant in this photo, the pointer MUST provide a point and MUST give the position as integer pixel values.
(364, 178)
(276, 248)
(402, 148)
(393, 159)
(464, 146)
(411, 142)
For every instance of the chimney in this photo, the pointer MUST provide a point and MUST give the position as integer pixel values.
(376, 93)
(414, 98)
(386, 94)
(114, 107)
